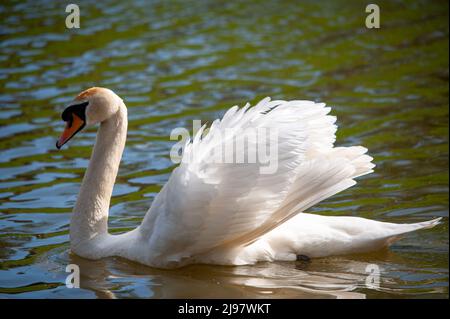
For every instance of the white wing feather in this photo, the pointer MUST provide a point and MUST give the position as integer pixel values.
(206, 206)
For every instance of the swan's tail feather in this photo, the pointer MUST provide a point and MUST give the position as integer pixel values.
(321, 236)
(428, 224)
(395, 232)
(398, 230)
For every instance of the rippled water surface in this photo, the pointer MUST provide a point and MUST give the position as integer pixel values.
(177, 61)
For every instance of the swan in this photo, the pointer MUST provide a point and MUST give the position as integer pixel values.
(227, 213)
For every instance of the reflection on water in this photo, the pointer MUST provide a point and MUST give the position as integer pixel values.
(178, 61)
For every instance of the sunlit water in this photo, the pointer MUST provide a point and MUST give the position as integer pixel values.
(176, 62)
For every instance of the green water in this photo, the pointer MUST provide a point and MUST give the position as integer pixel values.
(173, 62)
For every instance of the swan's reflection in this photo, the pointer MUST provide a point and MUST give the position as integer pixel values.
(119, 278)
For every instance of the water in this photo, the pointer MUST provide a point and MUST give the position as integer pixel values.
(181, 61)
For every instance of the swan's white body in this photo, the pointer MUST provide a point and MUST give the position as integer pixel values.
(231, 213)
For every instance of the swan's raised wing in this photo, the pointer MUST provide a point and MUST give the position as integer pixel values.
(213, 200)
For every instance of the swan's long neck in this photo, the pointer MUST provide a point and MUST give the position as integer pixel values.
(90, 214)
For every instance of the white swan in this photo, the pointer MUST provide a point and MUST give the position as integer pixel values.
(228, 214)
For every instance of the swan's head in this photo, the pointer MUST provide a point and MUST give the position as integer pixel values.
(90, 107)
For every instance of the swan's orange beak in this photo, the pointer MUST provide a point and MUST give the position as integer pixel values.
(73, 126)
